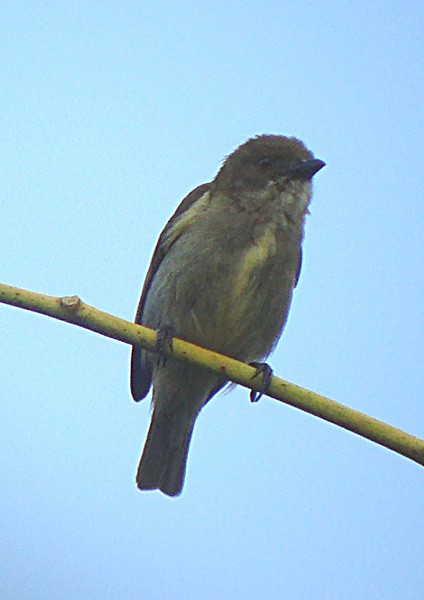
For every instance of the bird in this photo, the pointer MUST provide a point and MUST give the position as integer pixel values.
(222, 276)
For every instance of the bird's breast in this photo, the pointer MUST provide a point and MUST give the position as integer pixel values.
(252, 260)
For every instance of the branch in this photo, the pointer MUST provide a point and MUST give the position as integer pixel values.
(73, 310)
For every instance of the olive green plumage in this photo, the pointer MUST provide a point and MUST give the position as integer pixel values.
(222, 276)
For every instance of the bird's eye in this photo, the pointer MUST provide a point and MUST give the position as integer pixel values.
(265, 162)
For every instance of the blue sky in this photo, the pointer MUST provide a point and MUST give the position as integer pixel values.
(110, 113)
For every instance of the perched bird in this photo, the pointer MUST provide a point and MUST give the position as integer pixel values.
(222, 276)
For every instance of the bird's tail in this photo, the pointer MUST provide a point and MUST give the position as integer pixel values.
(163, 462)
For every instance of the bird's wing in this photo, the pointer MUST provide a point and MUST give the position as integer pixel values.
(299, 268)
(141, 375)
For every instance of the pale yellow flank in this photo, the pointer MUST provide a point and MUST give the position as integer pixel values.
(253, 258)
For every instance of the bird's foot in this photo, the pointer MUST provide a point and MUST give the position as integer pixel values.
(265, 370)
(164, 343)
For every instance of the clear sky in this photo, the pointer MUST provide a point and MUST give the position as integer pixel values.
(110, 113)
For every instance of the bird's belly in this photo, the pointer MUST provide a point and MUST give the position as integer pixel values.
(236, 304)
(240, 314)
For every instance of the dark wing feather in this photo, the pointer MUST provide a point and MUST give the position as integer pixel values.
(141, 376)
(299, 268)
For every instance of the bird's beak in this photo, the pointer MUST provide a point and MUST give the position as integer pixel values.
(306, 169)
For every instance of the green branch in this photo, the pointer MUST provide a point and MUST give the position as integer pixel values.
(73, 310)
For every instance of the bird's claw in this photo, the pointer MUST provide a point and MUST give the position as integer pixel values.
(265, 370)
(164, 343)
